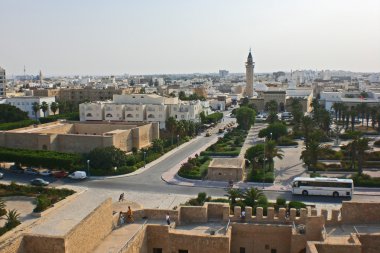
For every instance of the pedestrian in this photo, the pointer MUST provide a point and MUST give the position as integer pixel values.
(121, 197)
(130, 215)
(242, 215)
(168, 219)
(121, 218)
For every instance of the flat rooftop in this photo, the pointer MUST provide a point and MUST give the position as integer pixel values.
(227, 163)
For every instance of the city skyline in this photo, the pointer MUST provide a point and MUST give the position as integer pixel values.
(95, 38)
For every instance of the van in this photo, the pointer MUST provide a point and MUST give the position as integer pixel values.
(78, 175)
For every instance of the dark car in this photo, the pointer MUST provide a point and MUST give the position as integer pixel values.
(39, 182)
(60, 174)
(16, 169)
(31, 171)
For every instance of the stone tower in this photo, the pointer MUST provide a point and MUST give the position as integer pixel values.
(249, 66)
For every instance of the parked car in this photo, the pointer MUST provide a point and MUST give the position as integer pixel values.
(60, 174)
(31, 171)
(1, 175)
(39, 182)
(45, 173)
(16, 169)
(78, 175)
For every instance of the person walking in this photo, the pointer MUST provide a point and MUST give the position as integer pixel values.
(130, 215)
(121, 197)
(168, 219)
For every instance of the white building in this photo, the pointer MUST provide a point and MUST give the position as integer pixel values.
(3, 82)
(26, 104)
(328, 98)
(140, 108)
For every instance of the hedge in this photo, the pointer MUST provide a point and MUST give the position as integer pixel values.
(365, 180)
(44, 158)
(18, 124)
(225, 153)
(68, 116)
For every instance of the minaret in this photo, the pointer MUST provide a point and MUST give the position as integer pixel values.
(249, 66)
(41, 77)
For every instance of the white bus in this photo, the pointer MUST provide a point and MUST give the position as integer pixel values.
(323, 186)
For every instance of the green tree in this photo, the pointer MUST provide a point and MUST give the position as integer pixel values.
(312, 151)
(171, 126)
(132, 82)
(307, 125)
(245, 117)
(274, 131)
(251, 195)
(296, 109)
(44, 107)
(272, 106)
(255, 155)
(233, 195)
(10, 113)
(182, 95)
(35, 108)
(54, 107)
(158, 145)
(107, 158)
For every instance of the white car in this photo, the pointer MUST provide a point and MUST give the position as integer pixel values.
(78, 175)
(1, 175)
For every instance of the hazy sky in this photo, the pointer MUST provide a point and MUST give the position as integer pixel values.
(178, 36)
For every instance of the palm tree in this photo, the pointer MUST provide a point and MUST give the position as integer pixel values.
(374, 111)
(171, 126)
(271, 151)
(255, 155)
(44, 107)
(251, 195)
(12, 219)
(233, 194)
(54, 107)
(313, 150)
(337, 109)
(35, 108)
(361, 146)
(361, 110)
(353, 114)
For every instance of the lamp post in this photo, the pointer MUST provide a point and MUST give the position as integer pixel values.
(177, 140)
(88, 167)
(144, 158)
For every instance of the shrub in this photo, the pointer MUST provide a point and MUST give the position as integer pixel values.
(365, 180)
(281, 202)
(17, 124)
(286, 141)
(296, 205)
(43, 203)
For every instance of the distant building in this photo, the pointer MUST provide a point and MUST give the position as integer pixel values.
(141, 108)
(223, 73)
(3, 82)
(26, 104)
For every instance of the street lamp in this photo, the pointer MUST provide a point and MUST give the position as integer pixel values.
(88, 167)
(144, 158)
(177, 140)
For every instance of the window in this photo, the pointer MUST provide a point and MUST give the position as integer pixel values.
(183, 251)
(109, 115)
(89, 115)
(182, 116)
(157, 250)
(242, 250)
(130, 115)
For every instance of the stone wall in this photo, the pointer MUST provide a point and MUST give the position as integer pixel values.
(91, 230)
(360, 212)
(36, 243)
(158, 214)
(260, 238)
(123, 140)
(370, 242)
(193, 214)
(172, 241)
(139, 244)
(94, 128)
(217, 211)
